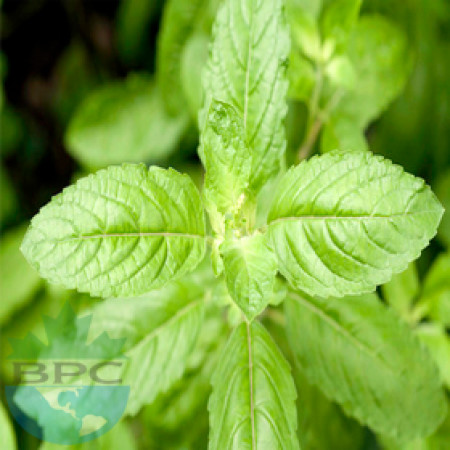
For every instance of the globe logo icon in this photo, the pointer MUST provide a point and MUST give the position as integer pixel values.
(67, 392)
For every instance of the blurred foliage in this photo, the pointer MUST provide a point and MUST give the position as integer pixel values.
(85, 84)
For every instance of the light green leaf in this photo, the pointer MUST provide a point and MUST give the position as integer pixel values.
(337, 20)
(226, 158)
(302, 77)
(180, 416)
(252, 405)
(305, 33)
(250, 269)
(443, 193)
(340, 132)
(363, 356)
(401, 291)
(123, 122)
(435, 297)
(19, 281)
(120, 437)
(178, 23)
(7, 437)
(247, 69)
(340, 72)
(343, 223)
(193, 60)
(161, 329)
(438, 342)
(120, 232)
(310, 7)
(379, 54)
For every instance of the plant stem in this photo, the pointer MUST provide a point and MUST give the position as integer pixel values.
(314, 121)
(310, 139)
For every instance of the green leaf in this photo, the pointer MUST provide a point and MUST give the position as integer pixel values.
(250, 269)
(363, 356)
(340, 72)
(443, 193)
(120, 437)
(401, 291)
(226, 158)
(247, 70)
(133, 19)
(193, 60)
(178, 23)
(379, 54)
(340, 132)
(438, 342)
(7, 437)
(123, 122)
(161, 328)
(321, 423)
(437, 441)
(435, 297)
(305, 33)
(302, 77)
(252, 405)
(337, 20)
(120, 232)
(180, 416)
(310, 7)
(18, 281)
(9, 203)
(343, 223)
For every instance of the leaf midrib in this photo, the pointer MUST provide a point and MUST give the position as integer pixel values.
(360, 217)
(342, 331)
(250, 376)
(112, 235)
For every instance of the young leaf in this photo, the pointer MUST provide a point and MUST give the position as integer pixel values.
(379, 54)
(252, 405)
(124, 122)
(120, 232)
(343, 223)
(193, 60)
(435, 295)
(363, 356)
(337, 20)
(247, 69)
(18, 281)
(161, 329)
(250, 269)
(226, 158)
(7, 437)
(178, 22)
